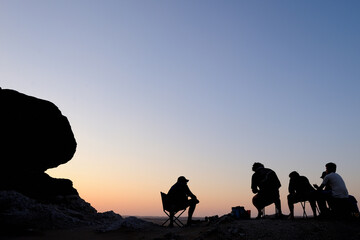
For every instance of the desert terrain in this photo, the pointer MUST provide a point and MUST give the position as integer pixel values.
(225, 227)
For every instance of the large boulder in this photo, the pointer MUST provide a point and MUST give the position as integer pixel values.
(34, 137)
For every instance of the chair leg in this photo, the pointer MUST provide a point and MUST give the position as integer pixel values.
(167, 219)
(177, 220)
(165, 222)
(318, 210)
(303, 205)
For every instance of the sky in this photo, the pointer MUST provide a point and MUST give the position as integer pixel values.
(157, 89)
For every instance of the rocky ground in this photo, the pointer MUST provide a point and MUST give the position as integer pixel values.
(224, 228)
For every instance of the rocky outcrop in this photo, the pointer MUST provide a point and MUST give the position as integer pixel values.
(18, 212)
(34, 137)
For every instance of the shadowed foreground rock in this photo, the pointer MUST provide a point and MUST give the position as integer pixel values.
(18, 212)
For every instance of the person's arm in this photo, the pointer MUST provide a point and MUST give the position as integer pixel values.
(276, 179)
(319, 187)
(291, 187)
(323, 184)
(254, 187)
(189, 193)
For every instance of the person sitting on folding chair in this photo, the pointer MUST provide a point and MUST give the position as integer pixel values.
(300, 190)
(178, 197)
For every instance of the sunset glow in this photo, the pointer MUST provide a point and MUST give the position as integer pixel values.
(158, 89)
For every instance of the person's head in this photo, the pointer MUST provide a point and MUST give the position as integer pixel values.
(330, 167)
(257, 166)
(323, 174)
(294, 174)
(182, 179)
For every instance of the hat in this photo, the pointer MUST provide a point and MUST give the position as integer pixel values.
(182, 179)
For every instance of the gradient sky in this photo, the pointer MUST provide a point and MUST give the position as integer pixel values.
(158, 89)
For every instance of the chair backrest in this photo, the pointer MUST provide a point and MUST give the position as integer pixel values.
(164, 201)
(168, 206)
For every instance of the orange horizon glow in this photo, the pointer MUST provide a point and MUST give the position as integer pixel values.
(134, 200)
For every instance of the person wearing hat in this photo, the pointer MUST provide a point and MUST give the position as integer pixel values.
(179, 195)
(327, 187)
(265, 184)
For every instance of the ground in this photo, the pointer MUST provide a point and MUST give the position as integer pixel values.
(224, 228)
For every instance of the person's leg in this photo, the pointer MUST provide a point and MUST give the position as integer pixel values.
(190, 213)
(277, 203)
(321, 198)
(192, 205)
(278, 207)
(313, 207)
(258, 204)
(171, 224)
(311, 197)
(290, 199)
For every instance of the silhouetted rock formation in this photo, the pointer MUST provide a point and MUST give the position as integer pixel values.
(21, 212)
(34, 137)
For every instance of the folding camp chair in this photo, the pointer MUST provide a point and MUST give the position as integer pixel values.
(167, 208)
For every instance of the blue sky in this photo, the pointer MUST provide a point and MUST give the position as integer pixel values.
(158, 89)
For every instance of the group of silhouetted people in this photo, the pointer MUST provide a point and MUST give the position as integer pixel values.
(331, 196)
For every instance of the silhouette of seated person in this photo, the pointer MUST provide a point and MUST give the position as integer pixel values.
(352, 200)
(178, 199)
(265, 184)
(326, 188)
(336, 193)
(300, 190)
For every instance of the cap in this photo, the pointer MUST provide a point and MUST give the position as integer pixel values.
(182, 179)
